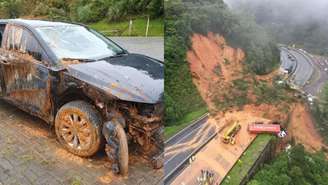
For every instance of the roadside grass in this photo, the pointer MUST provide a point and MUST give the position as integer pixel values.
(184, 122)
(241, 168)
(156, 27)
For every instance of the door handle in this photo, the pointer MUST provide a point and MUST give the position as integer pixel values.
(4, 62)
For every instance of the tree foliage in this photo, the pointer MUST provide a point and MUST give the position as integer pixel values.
(184, 17)
(181, 96)
(11, 8)
(299, 22)
(320, 112)
(293, 168)
(82, 10)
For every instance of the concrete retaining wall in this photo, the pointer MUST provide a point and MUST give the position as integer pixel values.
(266, 155)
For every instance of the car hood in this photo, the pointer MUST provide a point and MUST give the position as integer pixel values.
(130, 77)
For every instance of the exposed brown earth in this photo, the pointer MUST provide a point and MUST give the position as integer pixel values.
(209, 52)
(208, 55)
(302, 129)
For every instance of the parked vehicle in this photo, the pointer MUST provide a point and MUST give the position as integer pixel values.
(88, 87)
(229, 135)
(261, 128)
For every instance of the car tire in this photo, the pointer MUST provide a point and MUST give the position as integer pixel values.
(78, 128)
(123, 150)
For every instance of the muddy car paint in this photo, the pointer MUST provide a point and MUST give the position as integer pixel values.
(131, 77)
(130, 85)
(26, 83)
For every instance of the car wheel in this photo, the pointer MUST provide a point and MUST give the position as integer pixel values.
(123, 150)
(78, 128)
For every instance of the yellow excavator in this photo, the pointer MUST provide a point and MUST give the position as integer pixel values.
(230, 133)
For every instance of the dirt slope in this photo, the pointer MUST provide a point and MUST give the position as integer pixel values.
(214, 65)
(302, 129)
(206, 58)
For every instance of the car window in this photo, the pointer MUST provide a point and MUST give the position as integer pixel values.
(2, 29)
(22, 40)
(72, 41)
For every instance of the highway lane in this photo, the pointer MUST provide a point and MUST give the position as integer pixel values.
(303, 71)
(179, 149)
(316, 85)
(286, 63)
(310, 74)
(176, 139)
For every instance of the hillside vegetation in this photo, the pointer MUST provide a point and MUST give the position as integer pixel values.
(181, 96)
(299, 22)
(320, 112)
(113, 15)
(81, 10)
(294, 167)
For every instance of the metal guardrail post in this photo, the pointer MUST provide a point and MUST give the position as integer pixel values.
(147, 27)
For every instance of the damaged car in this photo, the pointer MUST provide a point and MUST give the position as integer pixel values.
(94, 93)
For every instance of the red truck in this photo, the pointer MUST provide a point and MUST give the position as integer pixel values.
(260, 128)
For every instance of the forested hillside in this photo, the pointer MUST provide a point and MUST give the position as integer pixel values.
(183, 18)
(320, 112)
(299, 22)
(81, 10)
(294, 167)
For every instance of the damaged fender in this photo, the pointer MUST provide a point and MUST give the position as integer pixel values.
(116, 146)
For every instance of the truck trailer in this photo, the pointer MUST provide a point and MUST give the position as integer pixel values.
(260, 128)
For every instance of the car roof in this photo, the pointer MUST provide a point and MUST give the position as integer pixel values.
(4, 21)
(35, 23)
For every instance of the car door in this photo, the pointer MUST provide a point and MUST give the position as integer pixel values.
(25, 72)
(2, 29)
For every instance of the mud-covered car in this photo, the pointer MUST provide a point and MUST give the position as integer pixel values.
(96, 94)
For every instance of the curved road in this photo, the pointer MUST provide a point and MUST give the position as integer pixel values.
(320, 79)
(309, 75)
(304, 69)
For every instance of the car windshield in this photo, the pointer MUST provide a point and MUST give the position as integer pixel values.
(77, 42)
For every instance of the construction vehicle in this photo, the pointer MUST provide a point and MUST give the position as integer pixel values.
(229, 135)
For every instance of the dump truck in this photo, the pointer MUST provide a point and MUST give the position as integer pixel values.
(260, 128)
(229, 135)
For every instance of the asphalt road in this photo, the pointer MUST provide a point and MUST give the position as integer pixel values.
(310, 74)
(150, 46)
(183, 145)
(286, 63)
(317, 83)
(304, 69)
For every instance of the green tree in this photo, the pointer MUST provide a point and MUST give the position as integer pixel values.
(185, 17)
(293, 168)
(11, 8)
